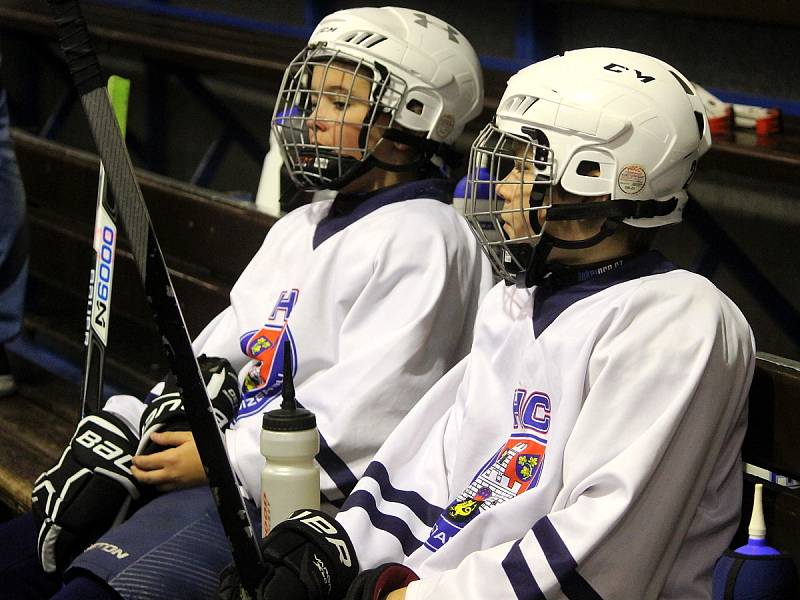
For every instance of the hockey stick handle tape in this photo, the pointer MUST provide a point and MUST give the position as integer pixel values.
(74, 37)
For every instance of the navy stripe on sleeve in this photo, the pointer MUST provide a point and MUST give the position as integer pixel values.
(389, 523)
(424, 510)
(562, 563)
(336, 468)
(520, 576)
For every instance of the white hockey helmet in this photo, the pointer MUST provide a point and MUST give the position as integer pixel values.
(597, 122)
(425, 77)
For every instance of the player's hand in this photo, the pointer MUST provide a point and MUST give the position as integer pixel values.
(177, 467)
(307, 557)
(86, 492)
(385, 582)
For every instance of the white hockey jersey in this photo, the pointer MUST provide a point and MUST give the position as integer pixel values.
(592, 450)
(376, 304)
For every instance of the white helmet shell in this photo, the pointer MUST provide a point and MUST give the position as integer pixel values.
(437, 63)
(634, 116)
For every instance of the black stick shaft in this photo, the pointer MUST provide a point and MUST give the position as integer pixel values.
(153, 272)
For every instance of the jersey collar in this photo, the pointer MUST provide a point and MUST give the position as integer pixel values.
(349, 208)
(566, 286)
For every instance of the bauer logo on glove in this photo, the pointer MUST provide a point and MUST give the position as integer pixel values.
(86, 492)
(307, 557)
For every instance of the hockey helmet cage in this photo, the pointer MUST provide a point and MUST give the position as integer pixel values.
(425, 84)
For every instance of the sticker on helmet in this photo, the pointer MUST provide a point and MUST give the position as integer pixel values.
(631, 179)
(445, 125)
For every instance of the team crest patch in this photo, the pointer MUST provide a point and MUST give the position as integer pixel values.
(515, 468)
(266, 346)
(525, 465)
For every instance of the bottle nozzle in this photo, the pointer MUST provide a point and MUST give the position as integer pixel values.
(290, 416)
(757, 528)
(289, 401)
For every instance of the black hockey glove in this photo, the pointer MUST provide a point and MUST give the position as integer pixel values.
(307, 557)
(86, 492)
(166, 412)
(374, 584)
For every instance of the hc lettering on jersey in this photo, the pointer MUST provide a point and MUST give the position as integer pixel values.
(264, 379)
(285, 304)
(515, 468)
(531, 412)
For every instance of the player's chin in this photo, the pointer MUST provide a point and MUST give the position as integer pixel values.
(514, 233)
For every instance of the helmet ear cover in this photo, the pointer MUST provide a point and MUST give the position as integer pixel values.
(589, 172)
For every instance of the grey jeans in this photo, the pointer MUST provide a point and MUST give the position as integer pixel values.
(13, 233)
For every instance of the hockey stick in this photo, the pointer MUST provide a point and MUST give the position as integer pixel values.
(101, 278)
(85, 70)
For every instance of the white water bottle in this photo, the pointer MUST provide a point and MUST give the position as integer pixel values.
(289, 443)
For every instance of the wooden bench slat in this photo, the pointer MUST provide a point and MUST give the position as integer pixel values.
(773, 432)
(37, 423)
(200, 232)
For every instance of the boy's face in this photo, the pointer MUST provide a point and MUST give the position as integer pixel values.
(515, 191)
(339, 104)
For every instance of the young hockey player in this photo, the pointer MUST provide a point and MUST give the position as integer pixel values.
(588, 447)
(374, 292)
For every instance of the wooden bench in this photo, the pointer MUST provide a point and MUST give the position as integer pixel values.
(206, 238)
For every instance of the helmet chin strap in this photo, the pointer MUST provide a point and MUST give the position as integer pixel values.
(612, 209)
(353, 168)
(614, 212)
(329, 177)
(537, 269)
(428, 148)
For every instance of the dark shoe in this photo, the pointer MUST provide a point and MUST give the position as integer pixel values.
(7, 384)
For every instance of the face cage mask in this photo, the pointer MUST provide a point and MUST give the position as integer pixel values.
(508, 181)
(334, 95)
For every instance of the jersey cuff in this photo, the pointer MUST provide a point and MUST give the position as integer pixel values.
(127, 408)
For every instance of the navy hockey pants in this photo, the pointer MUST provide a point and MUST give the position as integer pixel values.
(173, 547)
(21, 577)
